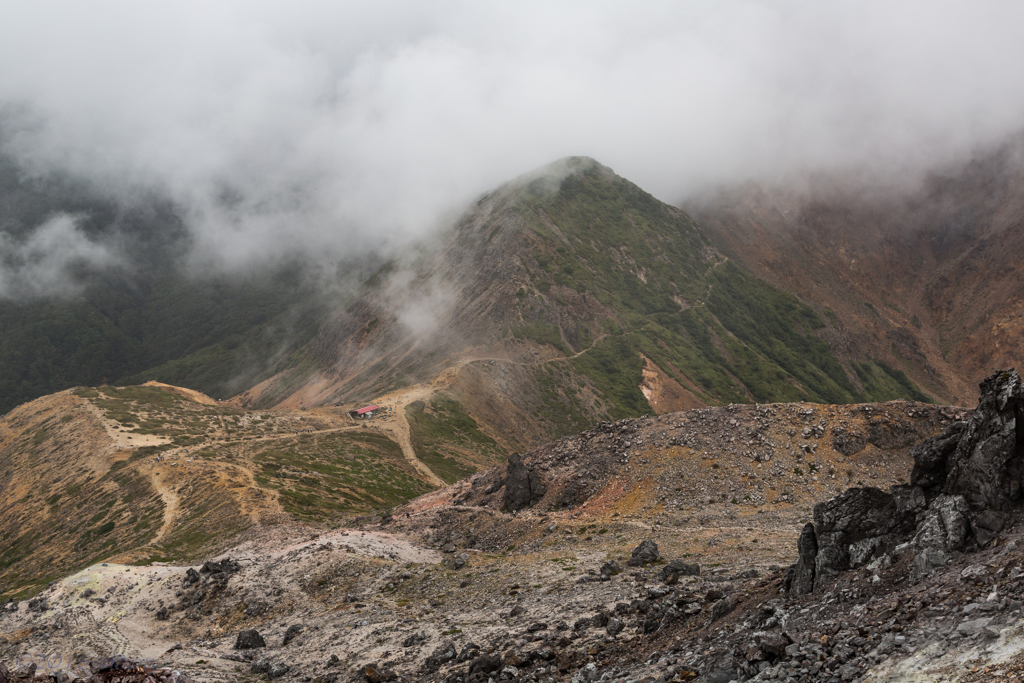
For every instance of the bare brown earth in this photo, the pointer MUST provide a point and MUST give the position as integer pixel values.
(926, 279)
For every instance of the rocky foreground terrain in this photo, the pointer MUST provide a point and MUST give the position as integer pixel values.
(674, 548)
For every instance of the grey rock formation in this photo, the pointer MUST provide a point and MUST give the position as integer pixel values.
(860, 524)
(523, 485)
(680, 568)
(645, 553)
(931, 455)
(962, 485)
(801, 580)
(987, 465)
(249, 640)
(943, 528)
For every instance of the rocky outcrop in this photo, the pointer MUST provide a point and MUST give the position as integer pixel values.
(986, 466)
(800, 577)
(943, 528)
(930, 457)
(643, 554)
(963, 483)
(523, 485)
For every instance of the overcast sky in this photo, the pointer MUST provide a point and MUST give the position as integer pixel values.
(327, 126)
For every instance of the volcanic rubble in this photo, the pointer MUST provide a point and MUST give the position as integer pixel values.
(922, 582)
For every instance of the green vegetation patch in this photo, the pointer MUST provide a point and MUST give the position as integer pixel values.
(443, 433)
(320, 478)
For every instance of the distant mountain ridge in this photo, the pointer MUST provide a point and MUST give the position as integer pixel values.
(570, 296)
(928, 281)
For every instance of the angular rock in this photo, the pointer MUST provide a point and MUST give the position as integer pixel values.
(523, 485)
(442, 655)
(723, 607)
(277, 670)
(415, 638)
(249, 640)
(773, 644)
(485, 664)
(645, 553)
(859, 524)
(932, 455)
(191, 577)
(944, 528)
(801, 580)
(987, 524)
(291, 633)
(680, 568)
(988, 463)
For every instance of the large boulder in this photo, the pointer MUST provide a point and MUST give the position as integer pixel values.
(249, 640)
(861, 524)
(988, 462)
(645, 553)
(523, 485)
(801, 580)
(963, 484)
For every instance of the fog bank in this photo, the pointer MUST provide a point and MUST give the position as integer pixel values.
(329, 128)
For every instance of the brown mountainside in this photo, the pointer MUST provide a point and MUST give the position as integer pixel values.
(929, 281)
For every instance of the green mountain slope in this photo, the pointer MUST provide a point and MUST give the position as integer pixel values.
(556, 294)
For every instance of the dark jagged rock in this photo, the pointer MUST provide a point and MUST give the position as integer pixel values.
(801, 580)
(523, 485)
(987, 466)
(964, 482)
(485, 664)
(930, 457)
(943, 528)
(680, 568)
(860, 524)
(645, 553)
(987, 524)
(249, 640)
(191, 577)
(442, 655)
(227, 566)
(290, 634)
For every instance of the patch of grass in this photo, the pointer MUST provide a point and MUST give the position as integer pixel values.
(442, 431)
(338, 473)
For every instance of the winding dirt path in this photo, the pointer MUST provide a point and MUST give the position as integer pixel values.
(171, 504)
(398, 430)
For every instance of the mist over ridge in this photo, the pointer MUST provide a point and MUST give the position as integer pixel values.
(332, 130)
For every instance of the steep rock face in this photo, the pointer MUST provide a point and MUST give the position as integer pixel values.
(987, 464)
(930, 457)
(800, 580)
(860, 524)
(963, 483)
(523, 485)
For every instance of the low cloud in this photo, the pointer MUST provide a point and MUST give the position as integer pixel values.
(54, 259)
(331, 129)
